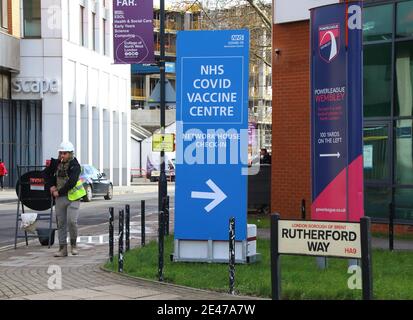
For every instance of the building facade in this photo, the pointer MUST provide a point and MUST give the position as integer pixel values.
(67, 75)
(145, 92)
(12, 144)
(243, 16)
(388, 109)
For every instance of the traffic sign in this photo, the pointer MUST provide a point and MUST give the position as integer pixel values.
(163, 142)
(212, 134)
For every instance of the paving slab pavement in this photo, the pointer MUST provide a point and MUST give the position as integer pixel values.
(30, 273)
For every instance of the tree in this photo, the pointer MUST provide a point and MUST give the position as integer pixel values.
(255, 15)
(238, 14)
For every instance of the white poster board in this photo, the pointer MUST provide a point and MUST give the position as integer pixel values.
(368, 156)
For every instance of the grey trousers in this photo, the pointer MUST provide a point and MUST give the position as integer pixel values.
(67, 213)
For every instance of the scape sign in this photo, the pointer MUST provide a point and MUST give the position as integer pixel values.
(319, 238)
(133, 31)
(212, 134)
(337, 112)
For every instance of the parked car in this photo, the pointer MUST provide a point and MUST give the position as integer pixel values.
(95, 183)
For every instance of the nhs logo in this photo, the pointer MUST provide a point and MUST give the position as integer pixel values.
(237, 37)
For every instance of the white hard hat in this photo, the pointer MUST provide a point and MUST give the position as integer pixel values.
(66, 146)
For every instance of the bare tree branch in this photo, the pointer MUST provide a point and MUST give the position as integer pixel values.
(262, 14)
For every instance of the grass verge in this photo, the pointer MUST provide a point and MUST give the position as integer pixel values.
(392, 274)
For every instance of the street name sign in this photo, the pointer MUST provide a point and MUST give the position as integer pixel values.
(319, 238)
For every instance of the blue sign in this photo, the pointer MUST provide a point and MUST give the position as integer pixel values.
(144, 68)
(170, 67)
(337, 112)
(212, 134)
(150, 68)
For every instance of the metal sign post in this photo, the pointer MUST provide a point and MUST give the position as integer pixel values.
(161, 232)
(143, 223)
(162, 186)
(366, 263)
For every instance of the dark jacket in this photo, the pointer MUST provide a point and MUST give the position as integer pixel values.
(49, 175)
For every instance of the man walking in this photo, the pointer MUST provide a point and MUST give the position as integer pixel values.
(3, 173)
(63, 175)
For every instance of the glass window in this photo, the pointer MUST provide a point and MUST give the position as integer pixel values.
(404, 205)
(95, 173)
(404, 78)
(105, 50)
(404, 152)
(377, 80)
(3, 14)
(82, 38)
(6, 86)
(377, 23)
(404, 24)
(1, 86)
(88, 170)
(94, 31)
(376, 151)
(32, 18)
(376, 201)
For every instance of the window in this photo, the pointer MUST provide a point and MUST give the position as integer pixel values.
(377, 200)
(105, 50)
(82, 40)
(94, 31)
(377, 22)
(404, 24)
(404, 204)
(377, 80)
(388, 108)
(138, 86)
(3, 14)
(31, 19)
(404, 152)
(4, 86)
(404, 78)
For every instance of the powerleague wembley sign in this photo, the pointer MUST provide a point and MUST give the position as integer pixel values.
(337, 112)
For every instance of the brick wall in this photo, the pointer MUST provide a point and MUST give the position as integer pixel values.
(291, 156)
(398, 229)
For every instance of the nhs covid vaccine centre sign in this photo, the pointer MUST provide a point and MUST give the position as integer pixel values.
(212, 139)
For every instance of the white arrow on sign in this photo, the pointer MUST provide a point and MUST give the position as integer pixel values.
(330, 155)
(217, 195)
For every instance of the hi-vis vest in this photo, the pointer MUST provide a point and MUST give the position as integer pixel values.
(77, 192)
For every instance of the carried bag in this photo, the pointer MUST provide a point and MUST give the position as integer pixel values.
(28, 223)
